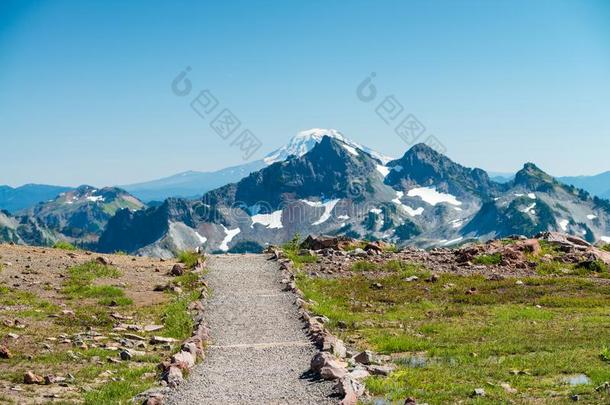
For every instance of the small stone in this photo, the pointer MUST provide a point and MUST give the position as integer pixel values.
(366, 357)
(377, 286)
(5, 353)
(380, 370)
(478, 392)
(103, 260)
(575, 397)
(160, 340)
(31, 378)
(412, 278)
(508, 388)
(177, 270)
(152, 328)
(519, 282)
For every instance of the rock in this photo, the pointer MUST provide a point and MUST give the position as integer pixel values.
(373, 247)
(160, 340)
(433, 278)
(154, 399)
(52, 379)
(366, 357)
(177, 270)
(103, 260)
(174, 376)
(325, 242)
(380, 370)
(508, 388)
(31, 378)
(411, 278)
(359, 373)
(320, 360)
(377, 286)
(129, 354)
(410, 401)
(333, 371)
(358, 253)
(184, 360)
(5, 353)
(338, 349)
(575, 397)
(350, 390)
(532, 246)
(478, 392)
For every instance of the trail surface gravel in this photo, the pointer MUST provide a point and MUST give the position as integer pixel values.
(260, 352)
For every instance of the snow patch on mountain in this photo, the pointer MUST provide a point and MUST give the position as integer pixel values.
(229, 235)
(529, 209)
(433, 197)
(328, 208)
(305, 141)
(95, 198)
(564, 224)
(412, 212)
(350, 149)
(591, 216)
(271, 221)
(605, 239)
(384, 170)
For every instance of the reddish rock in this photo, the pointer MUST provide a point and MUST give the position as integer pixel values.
(176, 270)
(31, 378)
(5, 353)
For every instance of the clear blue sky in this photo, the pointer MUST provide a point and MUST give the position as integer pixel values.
(85, 85)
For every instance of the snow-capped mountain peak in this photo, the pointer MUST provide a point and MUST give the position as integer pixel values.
(305, 141)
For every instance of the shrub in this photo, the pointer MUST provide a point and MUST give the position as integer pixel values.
(488, 260)
(189, 259)
(63, 245)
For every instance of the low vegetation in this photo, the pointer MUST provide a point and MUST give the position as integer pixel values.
(63, 245)
(488, 260)
(533, 340)
(80, 325)
(295, 254)
(189, 259)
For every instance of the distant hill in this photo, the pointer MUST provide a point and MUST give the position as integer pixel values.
(28, 195)
(598, 185)
(78, 216)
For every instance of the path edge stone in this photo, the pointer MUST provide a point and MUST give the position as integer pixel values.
(329, 362)
(192, 350)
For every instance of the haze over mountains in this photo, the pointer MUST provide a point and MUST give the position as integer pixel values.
(319, 183)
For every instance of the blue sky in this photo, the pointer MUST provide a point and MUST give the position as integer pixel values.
(85, 93)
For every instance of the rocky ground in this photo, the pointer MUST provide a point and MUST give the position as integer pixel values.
(79, 327)
(511, 257)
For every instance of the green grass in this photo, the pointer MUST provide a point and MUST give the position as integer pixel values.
(189, 259)
(546, 328)
(127, 384)
(63, 245)
(176, 317)
(80, 284)
(488, 260)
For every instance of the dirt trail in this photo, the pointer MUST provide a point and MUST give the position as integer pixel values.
(260, 353)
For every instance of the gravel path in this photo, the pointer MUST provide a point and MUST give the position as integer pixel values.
(260, 353)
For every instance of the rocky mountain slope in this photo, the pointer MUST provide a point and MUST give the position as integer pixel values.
(193, 184)
(78, 216)
(423, 198)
